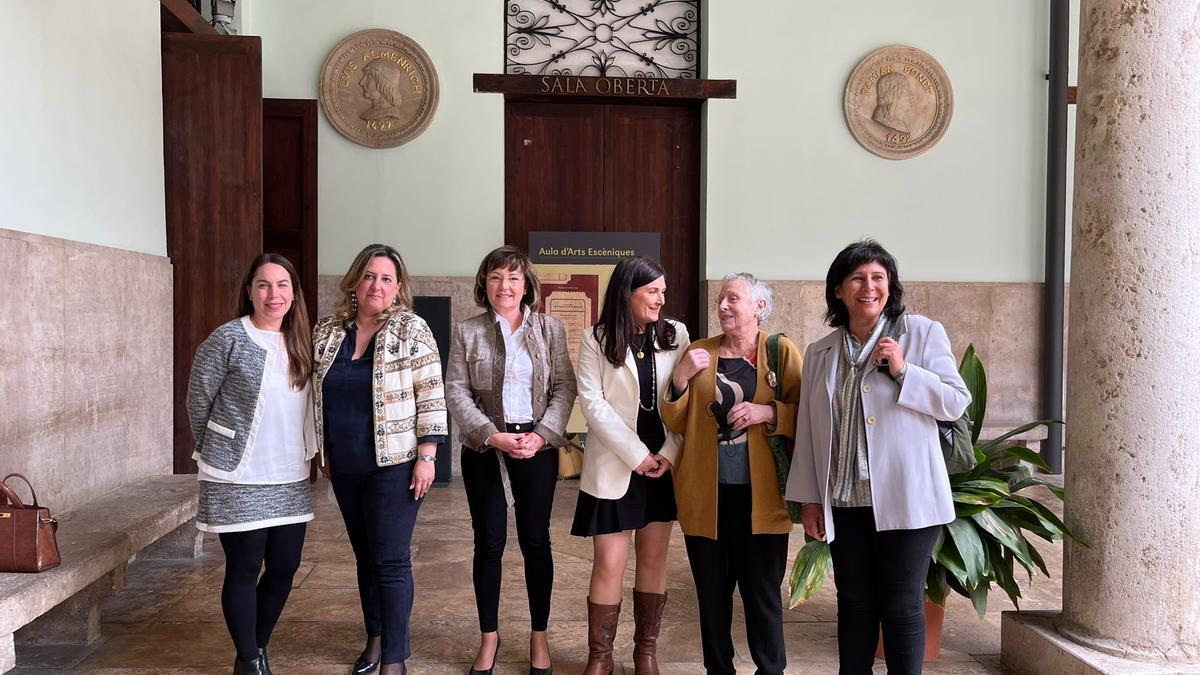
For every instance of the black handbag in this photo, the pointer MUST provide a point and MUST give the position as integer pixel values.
(954, 436)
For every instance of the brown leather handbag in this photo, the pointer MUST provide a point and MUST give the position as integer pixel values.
(27, 542)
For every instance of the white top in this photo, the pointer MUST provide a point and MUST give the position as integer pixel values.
(518, 373)
(276, 453)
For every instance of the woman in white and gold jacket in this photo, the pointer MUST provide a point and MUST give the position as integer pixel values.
(625, 366)
(379, 441)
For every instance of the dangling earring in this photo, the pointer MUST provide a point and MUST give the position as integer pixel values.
(353, 303)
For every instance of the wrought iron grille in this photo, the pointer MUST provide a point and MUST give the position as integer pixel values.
(614, 38)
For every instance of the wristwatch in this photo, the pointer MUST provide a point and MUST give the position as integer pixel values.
(425, 458)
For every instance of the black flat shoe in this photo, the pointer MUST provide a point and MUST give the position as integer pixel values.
(362, 666)
(495, 655)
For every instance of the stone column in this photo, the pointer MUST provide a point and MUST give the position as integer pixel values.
(1133, 374)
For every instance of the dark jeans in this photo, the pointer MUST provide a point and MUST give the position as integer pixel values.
(252, 604)
(880, 579)
(379, 512)
(533, 481)
(754, 563)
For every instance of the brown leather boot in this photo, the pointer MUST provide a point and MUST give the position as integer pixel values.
(647, 617)
(602, 630)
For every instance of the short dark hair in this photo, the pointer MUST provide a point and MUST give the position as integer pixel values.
(851, 258)
(508, 258)
(616, 328)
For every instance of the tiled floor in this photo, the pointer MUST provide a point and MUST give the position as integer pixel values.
(168, 620)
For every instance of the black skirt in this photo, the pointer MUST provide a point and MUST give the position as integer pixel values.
(648, 500)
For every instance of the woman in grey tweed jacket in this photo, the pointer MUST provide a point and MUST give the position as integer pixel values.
(250, 409)
(510, 386)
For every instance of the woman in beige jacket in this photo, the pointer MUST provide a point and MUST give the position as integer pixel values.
(510, 386)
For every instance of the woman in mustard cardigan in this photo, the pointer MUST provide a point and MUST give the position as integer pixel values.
(733, 518)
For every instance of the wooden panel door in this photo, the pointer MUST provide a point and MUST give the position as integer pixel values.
(573, 167)
(290, 188)
(652, 184)
(554, 169)
(212, 147)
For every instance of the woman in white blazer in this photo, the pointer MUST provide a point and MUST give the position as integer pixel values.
(625, 366)
(868, 464)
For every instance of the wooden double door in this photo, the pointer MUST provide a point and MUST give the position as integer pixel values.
(601, 167)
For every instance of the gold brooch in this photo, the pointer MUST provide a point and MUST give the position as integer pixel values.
(771, 379)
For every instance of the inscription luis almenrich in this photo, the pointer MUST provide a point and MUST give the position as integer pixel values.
(379, 88)
(898, 102)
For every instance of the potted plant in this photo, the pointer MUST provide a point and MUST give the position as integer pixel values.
(988, 538)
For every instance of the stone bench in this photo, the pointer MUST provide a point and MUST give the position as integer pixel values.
(151, 518)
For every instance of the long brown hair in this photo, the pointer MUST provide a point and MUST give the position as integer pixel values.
(616, 328)
(297, 337)
(358, 270)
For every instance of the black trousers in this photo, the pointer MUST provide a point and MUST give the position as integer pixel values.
(380, 513)
(252, 604)
(533, 481)
(755, 564)
(880, 579)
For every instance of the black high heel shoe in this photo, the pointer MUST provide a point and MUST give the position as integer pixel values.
(495, 655)
(362, 666)
(534, 670)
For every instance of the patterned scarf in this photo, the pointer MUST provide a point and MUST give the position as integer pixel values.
(852, 443)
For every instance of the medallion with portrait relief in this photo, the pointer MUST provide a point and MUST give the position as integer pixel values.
(379, 88)
(898, 102)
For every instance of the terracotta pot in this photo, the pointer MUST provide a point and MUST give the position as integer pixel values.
(935, 617)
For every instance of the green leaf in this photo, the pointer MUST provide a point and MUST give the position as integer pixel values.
(1003, 533)
(973, 375)
(1024, 454)
(949, 558)
(935, 584)
(975, 497)
(979, 597)
(986, 483)
(964, 510)
(937, 543)
(996, 442)
(970, 548)
(1036, 556)
(1003, 567)
(809, 571)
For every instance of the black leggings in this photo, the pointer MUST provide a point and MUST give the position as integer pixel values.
(880, 579)
(533, 481)
(252, 605)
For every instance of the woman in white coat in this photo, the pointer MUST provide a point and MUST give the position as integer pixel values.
(868, 464)
(625, 366)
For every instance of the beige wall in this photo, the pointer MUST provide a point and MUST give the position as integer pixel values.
(81, 154)
(86, 366)
(438, 198)
(786, 184)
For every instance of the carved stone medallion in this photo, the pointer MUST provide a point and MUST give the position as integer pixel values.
(379, 88)
(898, 102)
